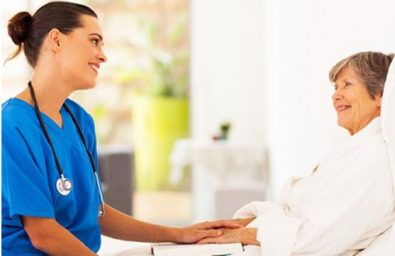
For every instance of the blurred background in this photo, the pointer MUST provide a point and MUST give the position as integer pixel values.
(205, 105)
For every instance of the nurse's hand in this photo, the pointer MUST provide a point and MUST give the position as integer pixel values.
(207, 229)
(239, 235)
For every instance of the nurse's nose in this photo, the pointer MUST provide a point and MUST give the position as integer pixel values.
(102, 57)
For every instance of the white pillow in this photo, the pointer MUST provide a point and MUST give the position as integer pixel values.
(384, 245)
(388, 115)
(381, 246)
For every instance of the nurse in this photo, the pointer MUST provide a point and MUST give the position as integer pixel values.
(51, 197)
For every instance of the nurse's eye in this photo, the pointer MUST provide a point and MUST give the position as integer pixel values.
(95, 41)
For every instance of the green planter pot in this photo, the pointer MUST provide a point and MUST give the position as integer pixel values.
(158, 123)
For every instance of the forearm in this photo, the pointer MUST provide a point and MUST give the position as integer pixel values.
(118, 225)
(50, 237)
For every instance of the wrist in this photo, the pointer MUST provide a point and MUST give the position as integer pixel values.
(174, 235)
(249, 237)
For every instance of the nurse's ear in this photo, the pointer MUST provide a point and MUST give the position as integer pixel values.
(54, 39)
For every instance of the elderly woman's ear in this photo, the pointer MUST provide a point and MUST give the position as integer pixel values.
(378, 98)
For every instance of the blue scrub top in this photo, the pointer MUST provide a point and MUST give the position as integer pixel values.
(29, 175)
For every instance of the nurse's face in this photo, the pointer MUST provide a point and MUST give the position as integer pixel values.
(354, 106)
(82, 54)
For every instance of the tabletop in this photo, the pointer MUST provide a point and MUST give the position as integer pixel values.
(113, 247)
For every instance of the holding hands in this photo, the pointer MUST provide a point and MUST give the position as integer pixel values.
(240, 234)
(205, 230)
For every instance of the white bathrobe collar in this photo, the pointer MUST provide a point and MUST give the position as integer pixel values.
(373, 127)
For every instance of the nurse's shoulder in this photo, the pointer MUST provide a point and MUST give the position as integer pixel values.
(16, 113)
(82, 116)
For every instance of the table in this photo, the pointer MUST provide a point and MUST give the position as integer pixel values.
(113, 247)
(225, 175)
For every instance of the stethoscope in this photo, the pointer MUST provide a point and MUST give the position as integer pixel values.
(63, 184)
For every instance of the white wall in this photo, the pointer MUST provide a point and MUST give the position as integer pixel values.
(227, 68)
(305, 39)
(264, 65)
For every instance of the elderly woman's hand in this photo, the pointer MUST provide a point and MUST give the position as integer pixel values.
(240, 235)
(207, 229)
(243, 222)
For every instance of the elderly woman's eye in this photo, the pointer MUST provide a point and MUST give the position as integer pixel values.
(347, 84)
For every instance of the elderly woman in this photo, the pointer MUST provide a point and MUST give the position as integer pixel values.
(348, 199)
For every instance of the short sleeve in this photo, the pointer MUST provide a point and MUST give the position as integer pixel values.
(25, 186)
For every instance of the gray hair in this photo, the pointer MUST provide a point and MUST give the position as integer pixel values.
(370, 67)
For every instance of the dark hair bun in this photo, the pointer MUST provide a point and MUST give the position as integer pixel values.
(19, 27)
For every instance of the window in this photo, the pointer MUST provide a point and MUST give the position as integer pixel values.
(135, 32)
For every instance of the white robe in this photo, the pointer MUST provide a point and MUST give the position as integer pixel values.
(339, 209)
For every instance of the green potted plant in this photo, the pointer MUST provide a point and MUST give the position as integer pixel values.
(160, 106)
(161, 116)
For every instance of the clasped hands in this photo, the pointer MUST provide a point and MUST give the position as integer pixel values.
(221, 231)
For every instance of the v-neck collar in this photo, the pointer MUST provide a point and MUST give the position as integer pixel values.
(49, 122)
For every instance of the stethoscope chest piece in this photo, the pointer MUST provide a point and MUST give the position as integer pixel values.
(64, 186)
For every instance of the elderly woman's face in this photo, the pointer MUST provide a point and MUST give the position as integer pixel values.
(354, 106)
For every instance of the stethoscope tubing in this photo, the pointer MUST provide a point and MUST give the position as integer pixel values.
(59, 167)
